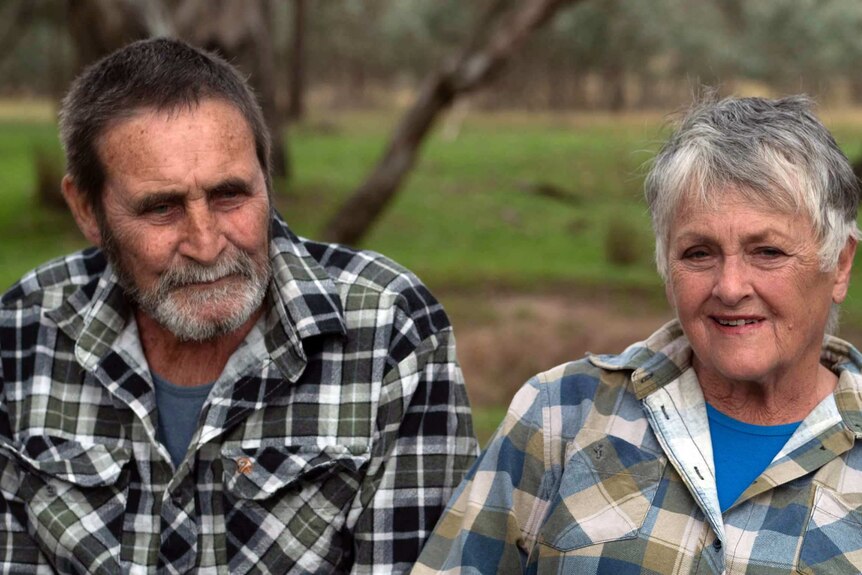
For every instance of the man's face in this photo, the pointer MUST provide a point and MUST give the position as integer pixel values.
(186, 217)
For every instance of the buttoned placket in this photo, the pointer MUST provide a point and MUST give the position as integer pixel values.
(690, 460)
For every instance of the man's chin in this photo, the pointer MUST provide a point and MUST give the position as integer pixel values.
(201, 329)
(201, 319)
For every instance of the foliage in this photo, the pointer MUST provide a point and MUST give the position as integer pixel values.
(791, 42)
(598, 53)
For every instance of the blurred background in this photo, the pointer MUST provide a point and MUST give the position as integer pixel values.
(495, 147)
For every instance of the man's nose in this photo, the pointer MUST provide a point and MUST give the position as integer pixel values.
(204, 241)
(732, 281)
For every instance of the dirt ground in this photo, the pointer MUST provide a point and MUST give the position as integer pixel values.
(504, 339)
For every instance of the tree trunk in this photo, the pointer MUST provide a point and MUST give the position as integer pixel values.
(98, 27)
(239, 30)
(614, 87)
(482, 59)
(297, 63)
(15, 19)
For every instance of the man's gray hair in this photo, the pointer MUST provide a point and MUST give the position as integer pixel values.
(162, 74)
(775, 153)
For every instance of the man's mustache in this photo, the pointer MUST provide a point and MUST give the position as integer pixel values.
(192, 273)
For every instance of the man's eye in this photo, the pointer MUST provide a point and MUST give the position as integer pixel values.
(159, 211)
(229, 195)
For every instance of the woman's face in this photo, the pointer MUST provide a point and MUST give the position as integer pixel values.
(748, 290)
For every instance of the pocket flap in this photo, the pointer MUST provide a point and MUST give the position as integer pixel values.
(86, 466)
(258, 474)
(604, 493)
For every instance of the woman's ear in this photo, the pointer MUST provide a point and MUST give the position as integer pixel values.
(842, 271)
(82, 210)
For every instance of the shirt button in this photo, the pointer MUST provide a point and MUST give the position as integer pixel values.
(244, 465)
(716, 544)
(51, 490)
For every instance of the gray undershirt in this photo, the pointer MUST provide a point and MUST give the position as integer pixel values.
(178, 410)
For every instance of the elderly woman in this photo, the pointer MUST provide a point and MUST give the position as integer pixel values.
(725, 442)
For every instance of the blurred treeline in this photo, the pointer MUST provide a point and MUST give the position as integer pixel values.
(594, 55)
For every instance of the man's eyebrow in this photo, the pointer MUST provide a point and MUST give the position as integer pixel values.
(234, 185)
(150, 201)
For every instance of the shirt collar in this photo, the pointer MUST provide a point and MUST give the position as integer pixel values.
(303, 300)
(666, 354)
(845, 360)
(655, 362)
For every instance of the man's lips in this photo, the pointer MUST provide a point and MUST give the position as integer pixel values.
(203, 284)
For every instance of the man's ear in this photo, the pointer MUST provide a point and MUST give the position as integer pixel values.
(82, 210)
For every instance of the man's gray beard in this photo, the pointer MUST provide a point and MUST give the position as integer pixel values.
(177, 312)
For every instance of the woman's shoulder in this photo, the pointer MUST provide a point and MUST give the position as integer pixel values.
(581, 379)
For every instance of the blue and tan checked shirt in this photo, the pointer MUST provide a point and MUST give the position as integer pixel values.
(330, 443)
(605, 465)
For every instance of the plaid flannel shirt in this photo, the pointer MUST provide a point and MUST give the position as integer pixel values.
(330, 443)
(605, 465)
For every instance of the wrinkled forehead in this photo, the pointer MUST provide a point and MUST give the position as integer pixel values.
(141, 131)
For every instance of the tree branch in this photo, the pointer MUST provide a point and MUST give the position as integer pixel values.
(477, 65)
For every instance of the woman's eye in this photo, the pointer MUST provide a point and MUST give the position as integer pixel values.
(695, 254)
(769, 252)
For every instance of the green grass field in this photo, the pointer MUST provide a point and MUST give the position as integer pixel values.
(469, 216)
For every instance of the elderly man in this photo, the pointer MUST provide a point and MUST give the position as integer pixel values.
(204, 390)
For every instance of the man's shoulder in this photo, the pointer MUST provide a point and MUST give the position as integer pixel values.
(54, 279)
(363, 268)
(364, 271)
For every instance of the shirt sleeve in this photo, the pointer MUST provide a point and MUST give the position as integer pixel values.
(424, 445)
(18, 551)
(490, 525)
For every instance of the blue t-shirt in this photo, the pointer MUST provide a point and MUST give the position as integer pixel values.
(178, 409)
(741, 451)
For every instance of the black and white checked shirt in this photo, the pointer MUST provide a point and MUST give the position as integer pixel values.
(330, 443)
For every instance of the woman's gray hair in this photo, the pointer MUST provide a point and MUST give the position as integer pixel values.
(774, 152)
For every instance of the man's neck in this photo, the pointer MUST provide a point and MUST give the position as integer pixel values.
(188, 363)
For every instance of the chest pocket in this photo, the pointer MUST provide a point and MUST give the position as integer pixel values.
(75, 498)
(605, 492)
(288, 502)
(833, 538)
